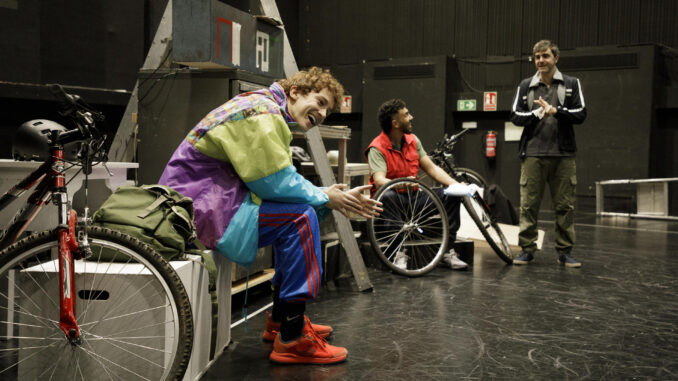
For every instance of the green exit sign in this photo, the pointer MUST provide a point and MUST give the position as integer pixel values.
(466, 105)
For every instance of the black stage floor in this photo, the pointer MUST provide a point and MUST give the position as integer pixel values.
(615, 318)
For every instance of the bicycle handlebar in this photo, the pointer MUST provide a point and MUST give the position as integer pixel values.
(448, 143)
(457, 136)
(85, 118)
(71, 103)
(68, 101)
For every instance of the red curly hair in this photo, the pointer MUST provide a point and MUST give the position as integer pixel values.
(314, 79)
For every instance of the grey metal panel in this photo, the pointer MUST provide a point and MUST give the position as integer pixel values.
(211, 34)
(540, 21)
(425, 98)
(501, 76)
(618, 22)
(658, 22)
(170, 105)
(616, 127)
(470, 33)
(504, 27)
(619, 126)
(578, 23)
(351, 77)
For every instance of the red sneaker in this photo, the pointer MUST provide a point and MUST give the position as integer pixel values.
(272, 329)
(307, 349)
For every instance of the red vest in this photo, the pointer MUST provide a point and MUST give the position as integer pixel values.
(402, 163)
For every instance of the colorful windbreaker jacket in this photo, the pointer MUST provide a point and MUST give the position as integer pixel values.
(237, 156)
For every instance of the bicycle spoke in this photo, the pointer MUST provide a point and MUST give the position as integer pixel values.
(103, 366)
(95, 273)
(136, 333)
(144, 327)
(421, 230)
(26, 358)
(54, 365)
(28, 273)
(20, 310)
(124, 315)
(114, 341)
(91, 353)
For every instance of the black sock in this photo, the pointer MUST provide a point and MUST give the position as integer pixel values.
(276, 311)
(293, 321)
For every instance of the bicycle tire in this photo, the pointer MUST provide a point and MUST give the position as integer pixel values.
(488, 227)
(132, 309)
(424, 233)
(469, 176)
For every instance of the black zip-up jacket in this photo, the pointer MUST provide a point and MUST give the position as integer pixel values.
(571, 110)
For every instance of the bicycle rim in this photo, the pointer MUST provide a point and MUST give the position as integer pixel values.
(133, 312)
(418, 229)
(488, 227)
(469, 176)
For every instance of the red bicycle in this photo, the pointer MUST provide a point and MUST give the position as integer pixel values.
(80, 301)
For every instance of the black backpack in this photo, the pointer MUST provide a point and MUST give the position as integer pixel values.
(501, 208)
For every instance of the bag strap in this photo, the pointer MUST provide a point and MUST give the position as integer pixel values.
(149, 209)
(169, 193)
(189, 223)
(207, 262)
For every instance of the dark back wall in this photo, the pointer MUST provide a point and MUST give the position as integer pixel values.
(611, 45)
(349, 31)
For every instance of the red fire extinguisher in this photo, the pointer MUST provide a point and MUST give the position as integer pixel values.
(491, 144)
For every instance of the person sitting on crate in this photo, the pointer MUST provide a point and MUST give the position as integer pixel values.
(396, 152)
(236, 164)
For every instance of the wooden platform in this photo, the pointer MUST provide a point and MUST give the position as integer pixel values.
(255, 279)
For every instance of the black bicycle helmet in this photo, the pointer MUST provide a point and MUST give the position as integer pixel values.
(32, 141)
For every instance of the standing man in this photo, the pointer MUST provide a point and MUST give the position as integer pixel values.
(397, 152)
(548, 105)
(236, 165)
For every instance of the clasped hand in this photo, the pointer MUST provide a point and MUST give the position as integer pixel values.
(352, 201)
(545, 106)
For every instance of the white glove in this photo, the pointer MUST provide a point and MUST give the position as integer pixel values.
(461, 190)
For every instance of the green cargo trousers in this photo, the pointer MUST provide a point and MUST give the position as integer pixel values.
(560, 173)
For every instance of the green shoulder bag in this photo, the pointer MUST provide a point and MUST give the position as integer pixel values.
(155, 214)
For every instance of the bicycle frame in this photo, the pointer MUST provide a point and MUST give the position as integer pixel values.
(51, 187)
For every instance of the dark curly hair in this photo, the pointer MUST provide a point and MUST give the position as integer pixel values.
(386, 112)
(314, 79)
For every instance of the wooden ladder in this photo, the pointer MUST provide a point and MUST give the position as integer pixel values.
(322, 167)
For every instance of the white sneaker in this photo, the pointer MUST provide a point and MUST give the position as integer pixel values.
(451, 259)
(401, 260)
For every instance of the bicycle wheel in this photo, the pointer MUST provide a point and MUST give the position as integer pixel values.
(132, 309)
(413, 224)
(479, 212)
(469, 176)
(464, 175)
